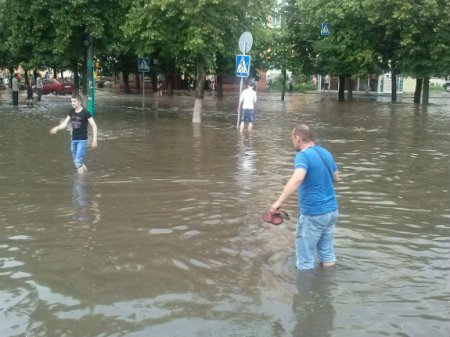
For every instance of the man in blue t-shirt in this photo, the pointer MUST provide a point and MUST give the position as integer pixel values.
(314, 174)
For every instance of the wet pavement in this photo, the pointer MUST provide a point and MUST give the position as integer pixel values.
(164, 234)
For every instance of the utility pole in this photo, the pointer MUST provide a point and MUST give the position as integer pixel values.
(89, 43)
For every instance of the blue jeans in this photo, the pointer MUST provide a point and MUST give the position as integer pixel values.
(78, 148)
(315, 232)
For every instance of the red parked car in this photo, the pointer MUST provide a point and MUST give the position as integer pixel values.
(69, 87)
(60, 86)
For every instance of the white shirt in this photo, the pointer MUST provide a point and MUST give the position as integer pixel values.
(248, 96)
(15, 84)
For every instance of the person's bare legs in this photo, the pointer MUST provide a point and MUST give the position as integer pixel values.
(250, 127)
(241, 129)
(328, 264)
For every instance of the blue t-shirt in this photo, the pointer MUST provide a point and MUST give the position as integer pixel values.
(316, 194)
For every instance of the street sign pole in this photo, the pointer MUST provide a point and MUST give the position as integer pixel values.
(245, 44)
(143, 67)
(241, 85)
(143, 91)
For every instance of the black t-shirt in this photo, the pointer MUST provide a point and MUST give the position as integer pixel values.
(79, 124)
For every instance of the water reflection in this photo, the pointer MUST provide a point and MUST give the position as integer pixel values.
(313, 305)
(80, 199)
(86, 210)
(246, 166)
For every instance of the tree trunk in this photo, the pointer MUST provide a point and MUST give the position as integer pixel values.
(169, 79)
(393, 86)
(219, 86)
(426, 91)
(341, 92)
(418, 90)
(154, 80)
(126, 82)
(84, 77)
(283, 86)
(11, 75)
(350, 89)
(76, 78)
(199, 92)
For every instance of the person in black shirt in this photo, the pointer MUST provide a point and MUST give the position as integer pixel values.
(79, 119)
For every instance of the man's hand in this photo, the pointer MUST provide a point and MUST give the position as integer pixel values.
(275, 206)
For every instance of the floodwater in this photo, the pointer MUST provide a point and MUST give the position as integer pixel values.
(164, 235)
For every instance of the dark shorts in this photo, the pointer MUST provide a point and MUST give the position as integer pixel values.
(248, 115)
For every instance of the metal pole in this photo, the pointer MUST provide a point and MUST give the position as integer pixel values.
(90, 75)
(239, 111)
(143, 91)
(240, 92)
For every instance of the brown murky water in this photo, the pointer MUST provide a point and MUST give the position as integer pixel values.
(164, 237)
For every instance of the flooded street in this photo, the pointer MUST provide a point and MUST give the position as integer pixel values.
(164, 234)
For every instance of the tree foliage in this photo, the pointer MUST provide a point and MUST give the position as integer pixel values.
(197, 37)
(192, 35)
(370, 36)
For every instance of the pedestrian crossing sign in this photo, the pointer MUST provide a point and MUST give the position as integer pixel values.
(143, 64)
(242, 65)
(325, 29)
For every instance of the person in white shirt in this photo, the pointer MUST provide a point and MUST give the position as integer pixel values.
(15, 89)
(247, 104)
(39, 86)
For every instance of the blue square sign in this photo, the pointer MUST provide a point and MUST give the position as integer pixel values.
(325, 29)
(242, 65)
(143, 64)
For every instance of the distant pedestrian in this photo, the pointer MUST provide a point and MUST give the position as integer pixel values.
(15, 89)
(191, 84)
(314, 174)
(269, 84)
(29, 86)
(247, 105)
(159, 86)
(39, 87)
(314, 82)
(79, 118)
(290, 85)
(327, 83)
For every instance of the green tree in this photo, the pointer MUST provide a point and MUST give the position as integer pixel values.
(388, 30)
(349, 51)
(192, 32)
(425, 50)
(50, 33)
(397, 36)
(279, 54)
(7, 58)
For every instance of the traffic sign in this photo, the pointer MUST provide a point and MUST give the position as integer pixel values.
(143, 64)
(242, 65)
(325, 29)
(245, 42)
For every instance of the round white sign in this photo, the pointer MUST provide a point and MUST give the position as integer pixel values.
(245, 42)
